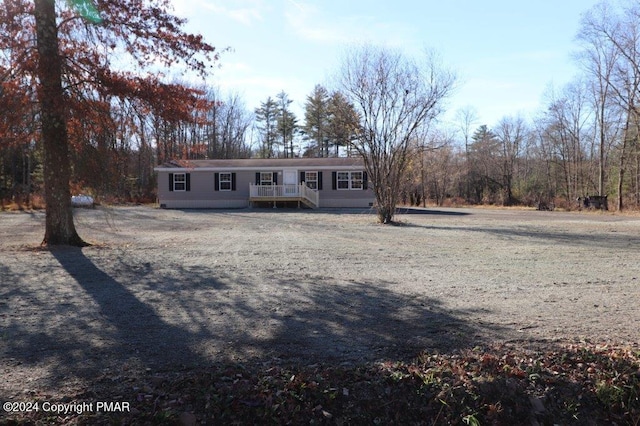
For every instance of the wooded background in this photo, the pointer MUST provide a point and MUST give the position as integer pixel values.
(582, 141)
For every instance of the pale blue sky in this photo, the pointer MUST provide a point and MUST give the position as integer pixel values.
(506, 53)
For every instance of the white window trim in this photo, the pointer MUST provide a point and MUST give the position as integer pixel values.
(350, 179)
(266, 181)
(221, 181)
(183, 181)
(307, 180)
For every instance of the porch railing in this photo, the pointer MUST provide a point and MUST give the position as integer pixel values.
(273, 192)
(310, 194)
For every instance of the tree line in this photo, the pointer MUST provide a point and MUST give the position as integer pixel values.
(583, 141)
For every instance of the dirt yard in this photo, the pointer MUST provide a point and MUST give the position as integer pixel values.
(167, 290)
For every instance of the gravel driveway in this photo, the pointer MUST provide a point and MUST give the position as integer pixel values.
(168, 289)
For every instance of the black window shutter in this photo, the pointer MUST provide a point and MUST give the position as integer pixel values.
(188, 179)
(275, 178)
(301, 177)
(319, 181)
(334, 180)
(257, 178)
(216, 181)
(170, 181)
(365, 180)
(233, 181)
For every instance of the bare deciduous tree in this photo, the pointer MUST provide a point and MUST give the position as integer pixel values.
(466, 117)
(394, 97)
(440, 164)
(511, 132)
(599, 59)
(562, 132)
(611, 38)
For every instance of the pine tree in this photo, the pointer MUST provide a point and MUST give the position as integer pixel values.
(267, 117)
(316, 115)
(344, 123)
(287, 124)
(484, 167)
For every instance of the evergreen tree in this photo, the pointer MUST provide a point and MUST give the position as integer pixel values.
(344, 123)
(287, 124)
(316, 115)
(484, 157)
(267, 117)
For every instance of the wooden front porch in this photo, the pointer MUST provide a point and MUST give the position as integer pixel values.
(273, 193)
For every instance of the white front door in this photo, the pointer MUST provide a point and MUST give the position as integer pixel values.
(290, 180)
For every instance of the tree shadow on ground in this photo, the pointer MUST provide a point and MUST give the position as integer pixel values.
(93, 325)
(596, 240)
(119, 313)
(111, 312)
(429, 211)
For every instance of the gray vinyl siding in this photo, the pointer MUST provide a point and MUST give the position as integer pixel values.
(334, 198)
(202, 193)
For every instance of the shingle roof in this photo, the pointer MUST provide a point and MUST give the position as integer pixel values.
(251, 163)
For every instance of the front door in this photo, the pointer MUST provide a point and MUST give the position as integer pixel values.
(290, 180)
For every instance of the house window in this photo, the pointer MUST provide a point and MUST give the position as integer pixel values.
(266, 178)
(179, 181)
(349, 180)
(356, 180)
(225, 182)
(311, 179)
(343, 180)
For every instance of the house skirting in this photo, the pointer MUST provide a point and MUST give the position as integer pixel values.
(204, 204)
(241, 204)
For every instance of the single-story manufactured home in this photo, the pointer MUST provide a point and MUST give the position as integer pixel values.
(238, 183)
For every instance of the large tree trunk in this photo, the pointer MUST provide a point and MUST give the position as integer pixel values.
(59, 227)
